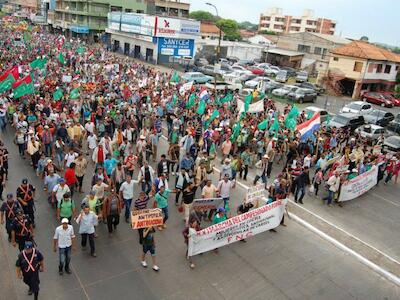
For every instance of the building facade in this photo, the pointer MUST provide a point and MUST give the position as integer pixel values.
(156, 39)
(209, 30)
(172, 8)
(314, 46)
(274, 20)
(360, 66)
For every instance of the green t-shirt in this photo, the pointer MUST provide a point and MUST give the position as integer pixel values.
(66, 208)
(174, 137)
(218, 219)
(162, 199)
(246, 158)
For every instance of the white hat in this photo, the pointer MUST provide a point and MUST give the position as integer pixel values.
(64, 220)
(354, 171)
(227, 160)
(265, 156)
(142, 137)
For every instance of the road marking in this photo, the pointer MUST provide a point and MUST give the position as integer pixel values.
(384, 199)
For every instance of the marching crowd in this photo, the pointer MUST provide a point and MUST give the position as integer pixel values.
(96, 115)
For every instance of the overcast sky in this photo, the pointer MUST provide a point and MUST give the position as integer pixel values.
(377, 19)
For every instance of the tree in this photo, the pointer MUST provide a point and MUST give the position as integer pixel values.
(267, 32)
(230, 28)
(396, 50)
(201, 15)
(364, 38)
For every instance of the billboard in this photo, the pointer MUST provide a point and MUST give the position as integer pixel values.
(132, 23)
(177, 28)
(175, 47)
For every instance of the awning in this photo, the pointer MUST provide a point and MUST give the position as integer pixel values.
(284, 52)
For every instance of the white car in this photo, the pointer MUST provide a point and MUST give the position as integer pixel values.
(285, 90)
(357, 107)
(370, 131)
(254, 82)
(263, 65)
(271, 70)
(241, 69)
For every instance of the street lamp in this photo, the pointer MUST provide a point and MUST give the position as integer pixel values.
(219, 37)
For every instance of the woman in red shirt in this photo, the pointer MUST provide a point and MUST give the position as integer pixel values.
(70, 178)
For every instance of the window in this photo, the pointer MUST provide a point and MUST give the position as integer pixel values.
(358, 66)
(379, 68)
(387, 69)
(303, 48)
(317, 50)
(336, 58)
(324, 51)
(371, 68)
(397, 68)
(128, 10)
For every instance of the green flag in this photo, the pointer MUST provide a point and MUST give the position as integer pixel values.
(214, 115)
(293, 113)
(227, 98)
(61, 58)
(191, 102)
(23, 89)
(175, 77)
(74, 94)
(310, 113)
(27, 37)
(261, 96)
(328, 119)
(235, 133)
(263, 125)
(201, 108)
(81, 50)
(7, 83)
(247, 102)
(58, 94)
(290, 123)
(38, 63)
(174, 99)
(275, 125)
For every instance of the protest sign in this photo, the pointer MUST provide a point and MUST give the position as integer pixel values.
(237, 228)
(144, 218)
(255, 193)
(206, 204)
(359, 185)
(253, 108)
(66, 78)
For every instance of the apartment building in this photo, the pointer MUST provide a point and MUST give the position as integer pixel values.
(89, 17)
(274, 20)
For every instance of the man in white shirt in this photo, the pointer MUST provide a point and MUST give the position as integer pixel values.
(224, 189)
(126, 194)
(87, 220)
(92, 143)
(70, 157)
(59, 190)
(334, 184)
(64, 240)
(89, 127)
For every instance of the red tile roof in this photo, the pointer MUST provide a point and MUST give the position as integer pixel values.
(366, 50)
(209, 28)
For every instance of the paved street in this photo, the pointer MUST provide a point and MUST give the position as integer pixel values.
(291, 264)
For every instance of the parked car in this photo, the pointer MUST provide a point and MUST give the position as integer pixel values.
(232, 59)
(272, 85)
(392, 97)
(323, 113)
(357, 107)
(271, 70)
(302, 76)
(379, 117)
(234, 82)
(370, 131)
(346, 120)
(221, 86)
(263, 65)
(241, 69)
(377, 98)
(197, 77)
(291, 72)
(246, 62)
(255, 70)
(211, 71)
(394, 126)
(392, 143)
(282, 76)
(308, 85)
(284, 90)
(303, 95)
(253, 83)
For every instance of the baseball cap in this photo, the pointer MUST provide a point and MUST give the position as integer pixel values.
(61, 180)
(9, 196)
(64, 220)
(221, 209)
(28, 245)
(24, 181)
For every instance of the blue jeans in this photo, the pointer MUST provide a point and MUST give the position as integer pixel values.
(165, 212)
(127, 203)
(65, 257)
(302, 190)
(146, 186)
(329, 197)
(48, 149)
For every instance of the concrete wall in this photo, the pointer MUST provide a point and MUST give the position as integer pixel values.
(132, 41)
(372, 74)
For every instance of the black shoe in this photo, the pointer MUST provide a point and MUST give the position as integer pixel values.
(272, 230)
(126, 220)
(60, 272)
(244, 241)
(30, 292)
(295, 200)
(67, 271)
(301, 201)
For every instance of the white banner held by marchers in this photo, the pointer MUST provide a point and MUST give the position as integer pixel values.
(359, 185)
(253, 108)
(237, 228)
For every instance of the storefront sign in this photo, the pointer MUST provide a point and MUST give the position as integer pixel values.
(237, 228)
(175, 47)
(146, 217)
(132, 23)
(206, 204)
(359, 185)
(177, 28)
